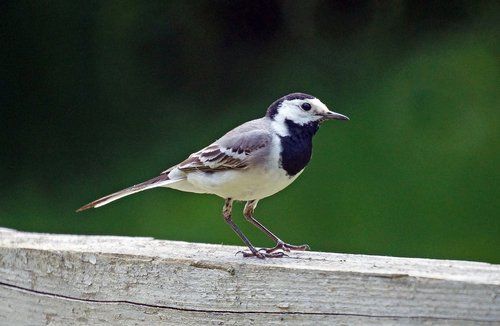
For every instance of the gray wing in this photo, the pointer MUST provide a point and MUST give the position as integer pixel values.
(235, 150)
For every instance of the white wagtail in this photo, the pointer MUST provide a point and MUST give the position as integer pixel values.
(250, 162)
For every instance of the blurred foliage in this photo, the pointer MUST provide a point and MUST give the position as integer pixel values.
(99, 95)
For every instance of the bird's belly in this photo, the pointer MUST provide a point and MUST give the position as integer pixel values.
(242, 184)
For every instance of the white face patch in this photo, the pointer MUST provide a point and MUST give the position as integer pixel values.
(291, 110)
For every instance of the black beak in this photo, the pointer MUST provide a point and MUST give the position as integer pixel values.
(330, 115)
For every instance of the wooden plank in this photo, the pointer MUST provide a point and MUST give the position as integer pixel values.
(71, 280)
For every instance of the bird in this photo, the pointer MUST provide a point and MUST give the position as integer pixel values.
(250, 162)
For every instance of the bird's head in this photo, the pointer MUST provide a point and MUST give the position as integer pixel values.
(301, 109)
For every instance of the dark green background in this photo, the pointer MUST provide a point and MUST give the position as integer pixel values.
(99, 95)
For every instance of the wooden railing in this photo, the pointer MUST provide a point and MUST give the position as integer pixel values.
(48, 279)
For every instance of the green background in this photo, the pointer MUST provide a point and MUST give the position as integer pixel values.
(99, 95)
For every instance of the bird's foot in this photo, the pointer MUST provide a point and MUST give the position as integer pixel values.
(277, 251)
(262, 253)
(280, 245)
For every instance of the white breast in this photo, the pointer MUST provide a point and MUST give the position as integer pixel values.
(257, 181)
(241, 184)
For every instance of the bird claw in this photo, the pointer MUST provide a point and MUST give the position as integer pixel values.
(277, 251)
(262, 253)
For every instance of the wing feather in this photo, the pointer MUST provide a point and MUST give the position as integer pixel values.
(233, 151)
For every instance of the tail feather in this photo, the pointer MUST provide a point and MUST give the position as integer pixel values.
(159, 181)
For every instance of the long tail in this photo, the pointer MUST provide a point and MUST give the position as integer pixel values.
(160, 181)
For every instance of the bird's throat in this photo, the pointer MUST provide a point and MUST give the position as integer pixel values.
(296, 147)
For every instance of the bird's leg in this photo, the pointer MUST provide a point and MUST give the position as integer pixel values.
(280, 245)
(226, 212)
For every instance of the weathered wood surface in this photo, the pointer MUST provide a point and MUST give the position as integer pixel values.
(48, 279)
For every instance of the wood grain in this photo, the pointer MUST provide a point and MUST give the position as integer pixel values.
(48, 279)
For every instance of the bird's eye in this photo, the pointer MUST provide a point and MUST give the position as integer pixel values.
(306, 106)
